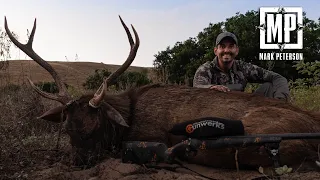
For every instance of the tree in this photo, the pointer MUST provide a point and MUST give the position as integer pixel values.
(181, 61)
(5, 47)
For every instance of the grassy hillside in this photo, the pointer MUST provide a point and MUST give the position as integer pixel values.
(73, 73)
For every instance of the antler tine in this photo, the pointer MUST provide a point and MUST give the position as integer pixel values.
(109, 80)
(132, 54)
(63, 95)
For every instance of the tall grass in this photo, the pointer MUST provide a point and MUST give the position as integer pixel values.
(307, 97)
(25, 140)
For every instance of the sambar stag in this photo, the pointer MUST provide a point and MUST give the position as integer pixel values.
(147, 113)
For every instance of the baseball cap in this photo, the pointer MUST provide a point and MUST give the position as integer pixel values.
(223, 35)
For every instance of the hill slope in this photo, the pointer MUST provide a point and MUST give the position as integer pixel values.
(73, 73)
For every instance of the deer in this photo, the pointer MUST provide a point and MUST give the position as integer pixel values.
(101, 120)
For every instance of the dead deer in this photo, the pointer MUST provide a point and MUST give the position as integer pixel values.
(148, 113)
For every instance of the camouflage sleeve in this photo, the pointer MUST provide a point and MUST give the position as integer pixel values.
(256, 74)
(202, 77)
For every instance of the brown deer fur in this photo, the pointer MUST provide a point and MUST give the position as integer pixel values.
(165, 106)
(152, 113)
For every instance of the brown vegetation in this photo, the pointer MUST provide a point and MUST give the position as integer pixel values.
(72, 73)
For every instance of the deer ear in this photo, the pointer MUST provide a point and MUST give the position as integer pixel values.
(115, 116)
(53, 115)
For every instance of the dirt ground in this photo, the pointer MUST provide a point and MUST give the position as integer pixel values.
(53, 166)
(114, 169)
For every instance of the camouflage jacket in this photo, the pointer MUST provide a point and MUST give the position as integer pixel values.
(209, 74)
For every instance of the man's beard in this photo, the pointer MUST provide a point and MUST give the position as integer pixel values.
(227, 62)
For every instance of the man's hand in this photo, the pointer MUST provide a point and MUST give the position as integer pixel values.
(220, 88)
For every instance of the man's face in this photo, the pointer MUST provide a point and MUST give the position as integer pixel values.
(226, 51)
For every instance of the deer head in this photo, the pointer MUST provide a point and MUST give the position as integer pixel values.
(83, 116)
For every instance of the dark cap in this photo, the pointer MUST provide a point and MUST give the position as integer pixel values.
(223, 35)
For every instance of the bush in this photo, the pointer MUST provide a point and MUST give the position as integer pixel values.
(129, 79)
(125, 80)
(310, 72)
(49, 87)
(94, 81)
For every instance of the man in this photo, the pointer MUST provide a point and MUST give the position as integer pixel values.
(225, 73)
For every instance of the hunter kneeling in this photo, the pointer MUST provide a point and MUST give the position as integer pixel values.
(225, 73)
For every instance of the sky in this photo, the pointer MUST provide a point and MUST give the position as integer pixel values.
(90, 31)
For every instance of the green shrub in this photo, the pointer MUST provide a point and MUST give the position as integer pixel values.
(94, 81)
(49, 87)
(125, 80)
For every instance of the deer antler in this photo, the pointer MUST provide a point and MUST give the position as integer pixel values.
(95, 101)
(63, 95)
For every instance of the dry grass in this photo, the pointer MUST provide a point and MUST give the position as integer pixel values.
(307, 98)
(73, 73)
(23, 138)
(26, 143)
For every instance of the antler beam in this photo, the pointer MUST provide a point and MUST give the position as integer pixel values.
(63, 95)
(95, 101)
